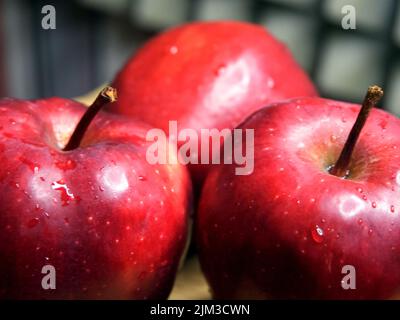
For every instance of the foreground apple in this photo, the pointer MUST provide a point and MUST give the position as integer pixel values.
(208, 75)
(290, 229)
(112, 225)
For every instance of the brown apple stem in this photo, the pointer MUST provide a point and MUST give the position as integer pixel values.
(341, 167)
(108, 94)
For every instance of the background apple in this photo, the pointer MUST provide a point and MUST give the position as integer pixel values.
(208, 75)
(287, 230)
(112, 225)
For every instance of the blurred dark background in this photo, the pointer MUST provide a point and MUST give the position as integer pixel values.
(94, 38)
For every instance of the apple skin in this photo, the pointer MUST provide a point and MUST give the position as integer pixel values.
(112, 225)
(208, 75)
(287, 229)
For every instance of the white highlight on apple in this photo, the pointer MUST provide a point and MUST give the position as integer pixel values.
(159, 152)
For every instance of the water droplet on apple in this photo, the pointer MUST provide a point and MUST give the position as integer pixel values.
(220, 69)
(333, 138)
(66, 195)
(32, 223)
(392, 208)
(364, 197)
(142, 178)
(370, 231)
(360, 221)
(66, 165)
(173, 50)
(344, 120)
(373, 204)
(317, 234)
(33, 166)
(360, 190)
(383, 123)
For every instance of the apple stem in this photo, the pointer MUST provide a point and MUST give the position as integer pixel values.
(340, 169)
(108, 94)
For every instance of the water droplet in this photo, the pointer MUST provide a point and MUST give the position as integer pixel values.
(33, 166)
(220, 69)
(360, 221)
(32, 223)
(317, 234)
(333, 138)
(66, 165)
(164, 263)
(370, 231)
(66, 195)
(270, 83)
(142, 178)
(392, 208)
(364, 197)
(373, 204)
(344, 120)
(360, 190)
(173, 50)
(383, 123)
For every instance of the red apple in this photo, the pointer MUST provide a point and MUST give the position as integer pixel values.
(288, 229)
(112, 225)
(208, 75)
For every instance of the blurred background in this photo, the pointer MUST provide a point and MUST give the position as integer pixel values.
(94, 38)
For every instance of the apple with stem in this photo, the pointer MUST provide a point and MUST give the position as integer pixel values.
(323, 200)
(77, 195)
(207, 75)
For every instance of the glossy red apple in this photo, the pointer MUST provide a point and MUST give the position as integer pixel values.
(112, 225)
(287, 230)
(208, 75)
